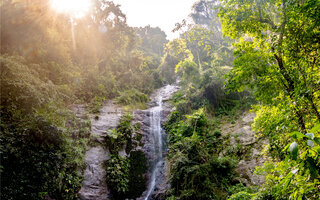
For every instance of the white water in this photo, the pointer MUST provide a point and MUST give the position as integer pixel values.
(156, 142)
(155, 130)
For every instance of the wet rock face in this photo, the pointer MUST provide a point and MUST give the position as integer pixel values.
(251, 146)
(144, 118)
(107, 120)
(148, 148)
(94, 185)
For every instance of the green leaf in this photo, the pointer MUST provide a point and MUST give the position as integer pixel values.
(312, 167)
(317, 149)
(317, 140)
(287, 180)
(297, 135)
(315, 128)
(285, 148)
(303, 155)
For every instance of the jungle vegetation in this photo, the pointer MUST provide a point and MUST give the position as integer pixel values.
(231, 56)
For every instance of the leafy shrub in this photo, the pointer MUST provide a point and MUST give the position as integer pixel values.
(38, 159)
(117, 173)
(21, 86)
(125, 175)
(297, 177)
(92, 84)
(195, 169)
(38, 155)
(132, 96)
(137, 171)
(242, 188)
(241, 196)
(96, 104)
(122, 135)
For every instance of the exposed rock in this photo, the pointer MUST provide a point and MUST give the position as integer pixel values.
(94, 185)
(108, 119)
(246, 170)
(251, 146)
(79, 110)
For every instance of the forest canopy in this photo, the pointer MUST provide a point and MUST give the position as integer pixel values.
(231, 56)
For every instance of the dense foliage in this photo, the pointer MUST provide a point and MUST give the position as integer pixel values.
(200, 59)
(277, 56)
(230, 54)
(125, 174)
(50, 60)
(195, 167)
(41, 150)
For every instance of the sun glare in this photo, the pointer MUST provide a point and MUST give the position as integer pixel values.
(76, 8)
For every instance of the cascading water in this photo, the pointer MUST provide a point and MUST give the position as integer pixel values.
(155, 130)
(157, 138)
(154, 144)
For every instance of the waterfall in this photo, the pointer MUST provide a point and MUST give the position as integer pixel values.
(155, 130)
(154, 145)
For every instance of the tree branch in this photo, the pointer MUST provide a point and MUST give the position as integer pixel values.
(265, 20)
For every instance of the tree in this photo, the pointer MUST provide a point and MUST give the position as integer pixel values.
(153, 39)
(204, 13)
(48, 61)
(277, 52)
(200, 43)
(174, 52)
(277, 56)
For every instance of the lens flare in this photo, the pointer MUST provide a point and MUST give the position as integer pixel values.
(76, 8)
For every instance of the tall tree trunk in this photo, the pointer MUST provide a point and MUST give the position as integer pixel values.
(290, 89)
(290, 83)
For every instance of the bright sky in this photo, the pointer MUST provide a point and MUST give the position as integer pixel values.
(161, 13)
